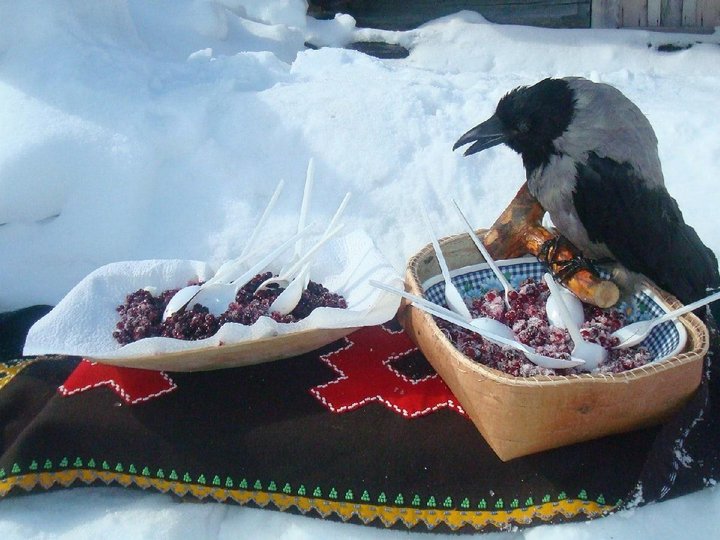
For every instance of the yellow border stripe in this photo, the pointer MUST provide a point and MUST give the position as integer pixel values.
(389, 515)
(9, 371)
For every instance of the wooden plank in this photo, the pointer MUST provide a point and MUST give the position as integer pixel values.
(654, 12)
(708, 13)
(671, 13)
(606, 14)
(689, 13)
(634, 13)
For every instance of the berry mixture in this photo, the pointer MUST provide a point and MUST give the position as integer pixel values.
(141, 314)
(528, 320)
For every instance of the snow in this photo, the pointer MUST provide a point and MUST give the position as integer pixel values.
(116, 513)
(133, 130)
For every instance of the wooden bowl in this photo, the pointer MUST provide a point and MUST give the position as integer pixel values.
(233, 355)
(518, 416)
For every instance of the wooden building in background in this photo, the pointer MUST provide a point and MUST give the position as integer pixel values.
(675, 15)
(672, 15)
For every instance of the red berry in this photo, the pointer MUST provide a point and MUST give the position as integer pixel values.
(141, 314)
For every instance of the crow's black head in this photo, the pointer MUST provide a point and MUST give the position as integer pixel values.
(527, 119)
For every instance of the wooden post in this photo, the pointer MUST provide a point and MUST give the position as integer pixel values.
(654, 12)
(672, 13)
(605, 14)
(634, 13)
(518, 231)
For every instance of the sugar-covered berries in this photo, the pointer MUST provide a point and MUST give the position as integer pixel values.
(140, 316)
(141, 313)
(528, 320)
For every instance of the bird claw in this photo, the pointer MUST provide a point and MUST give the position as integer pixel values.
(563, 270)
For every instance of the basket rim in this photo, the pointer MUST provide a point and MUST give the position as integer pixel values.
(698, 341)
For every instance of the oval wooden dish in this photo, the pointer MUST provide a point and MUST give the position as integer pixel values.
(245, 353)
(518, 416)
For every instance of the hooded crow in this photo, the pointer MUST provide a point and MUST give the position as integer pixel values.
(591, 160)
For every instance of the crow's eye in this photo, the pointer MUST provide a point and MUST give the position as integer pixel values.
(523, 127)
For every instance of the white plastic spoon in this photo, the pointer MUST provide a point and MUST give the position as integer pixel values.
(339, 212)
(296, 278)
(180, 299)
(530, 353)
(285, 276)
(452, 295)
(488, 324)
(229, 268)
(592, 353)
(486, 254)
(287, 273)
(634, 333)
(446, 314)
(217, 297)
(572, 304)
(304, 206)
(481, 323)
(288, 299)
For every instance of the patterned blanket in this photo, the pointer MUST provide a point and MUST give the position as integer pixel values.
(362, 430)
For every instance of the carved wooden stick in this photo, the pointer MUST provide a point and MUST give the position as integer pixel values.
(518, 231)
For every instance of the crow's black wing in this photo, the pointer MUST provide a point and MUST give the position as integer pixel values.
(643, 228)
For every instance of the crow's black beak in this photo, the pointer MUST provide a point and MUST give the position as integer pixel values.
(485, 135)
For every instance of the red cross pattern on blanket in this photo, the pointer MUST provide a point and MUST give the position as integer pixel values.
(367, 375)
(132, 385)
(364, 365)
